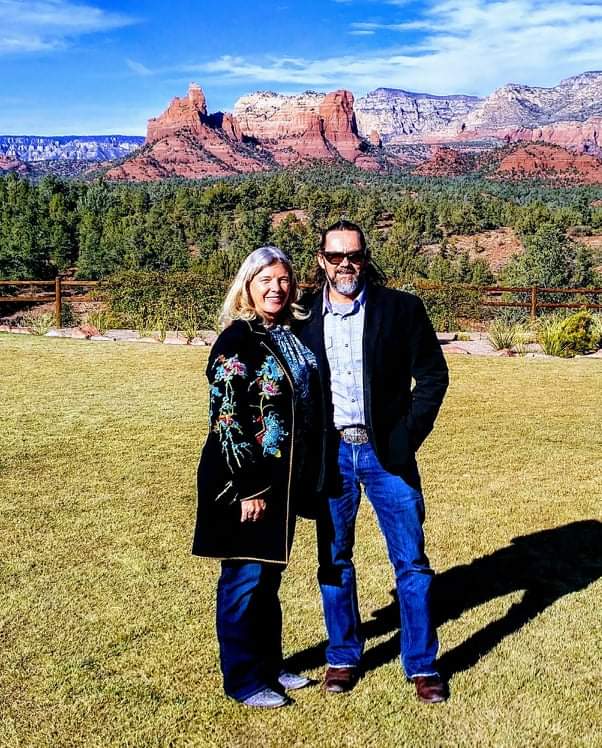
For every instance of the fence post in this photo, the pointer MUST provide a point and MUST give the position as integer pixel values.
(57, 300)
(533, 303)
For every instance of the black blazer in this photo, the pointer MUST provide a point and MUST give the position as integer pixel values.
(399, 344)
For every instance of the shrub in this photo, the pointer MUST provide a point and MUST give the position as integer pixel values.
(103, 320)
(68, 316)
(549, 335)
(447, 304)
(39, 323)
(597, 329)
(579, 332)
(152, 300)
(503, 334)
(568, 336)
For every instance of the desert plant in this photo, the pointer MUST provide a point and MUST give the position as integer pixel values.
(161, 320)
(524, 337)
(39, 323)
(579, 333)
(549, 335)
(103, 320)
(597, 329)
(189, 321)
(504, 334)
(564, 336)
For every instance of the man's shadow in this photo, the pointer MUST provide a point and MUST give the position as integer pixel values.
(545, 565)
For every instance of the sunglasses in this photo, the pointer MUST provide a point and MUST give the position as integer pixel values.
(336, 258)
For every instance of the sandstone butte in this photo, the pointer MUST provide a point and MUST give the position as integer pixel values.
(550, 162)
(187, 141)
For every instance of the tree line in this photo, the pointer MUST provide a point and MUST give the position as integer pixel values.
(95, 229)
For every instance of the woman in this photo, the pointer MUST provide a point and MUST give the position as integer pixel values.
(261, 379)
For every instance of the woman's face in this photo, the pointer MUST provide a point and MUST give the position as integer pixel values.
(269, 291)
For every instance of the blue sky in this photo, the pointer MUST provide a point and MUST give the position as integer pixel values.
(99, 67)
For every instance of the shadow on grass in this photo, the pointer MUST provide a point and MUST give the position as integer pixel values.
(546, 565)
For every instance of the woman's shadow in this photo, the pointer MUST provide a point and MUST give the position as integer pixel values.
(546, 565)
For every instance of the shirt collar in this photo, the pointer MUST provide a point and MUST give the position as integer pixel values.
(359, 300)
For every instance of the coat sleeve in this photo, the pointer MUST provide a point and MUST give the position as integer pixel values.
(231, 420)
(429, 370)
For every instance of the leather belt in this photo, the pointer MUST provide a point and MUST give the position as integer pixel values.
(354, 434)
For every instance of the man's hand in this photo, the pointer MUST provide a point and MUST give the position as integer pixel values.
(252, 509)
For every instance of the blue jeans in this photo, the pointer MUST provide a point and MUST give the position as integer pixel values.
(249, 627)
(399, 508)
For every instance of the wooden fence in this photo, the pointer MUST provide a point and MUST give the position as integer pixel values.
(62, 291)
(492, 295)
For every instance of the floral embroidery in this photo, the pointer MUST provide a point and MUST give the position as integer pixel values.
(272, 434)
(272, 427)
(226, 422)
(226, 425)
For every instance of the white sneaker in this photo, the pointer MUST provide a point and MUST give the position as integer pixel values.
(292, 681)
(266, 699)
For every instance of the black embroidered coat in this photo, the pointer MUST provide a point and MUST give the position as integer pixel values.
(250, 449)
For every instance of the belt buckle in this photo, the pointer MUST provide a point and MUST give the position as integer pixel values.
(354, 435)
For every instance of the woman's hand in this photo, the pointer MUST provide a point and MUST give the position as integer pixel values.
(252, 509)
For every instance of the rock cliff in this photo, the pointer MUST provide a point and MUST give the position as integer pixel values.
(401, 116)
(305, 126)
(569, 114)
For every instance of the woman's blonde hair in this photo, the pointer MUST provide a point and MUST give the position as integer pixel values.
(238, 303)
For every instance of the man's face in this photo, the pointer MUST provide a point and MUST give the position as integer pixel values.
(343, 261)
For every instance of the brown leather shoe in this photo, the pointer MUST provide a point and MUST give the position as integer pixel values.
(430, 689)
(340, 679)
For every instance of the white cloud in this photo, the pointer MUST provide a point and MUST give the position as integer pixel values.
(138, 68)
(452, 46)
(43, 25)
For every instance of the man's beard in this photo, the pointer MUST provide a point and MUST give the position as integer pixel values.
(345, 283)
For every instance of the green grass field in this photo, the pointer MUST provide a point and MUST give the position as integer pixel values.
(106, 620)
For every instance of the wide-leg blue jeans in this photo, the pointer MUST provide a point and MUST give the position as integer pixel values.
(399, 508)
(249, 627)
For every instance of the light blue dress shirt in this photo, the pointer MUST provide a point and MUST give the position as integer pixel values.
(343, 335)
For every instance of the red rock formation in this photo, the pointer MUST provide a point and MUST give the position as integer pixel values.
(188, 112)
(186, 141)
(581, 136)
(339, 126)
(13, 164)
(305, 126)
(445, 162)
(551, 162)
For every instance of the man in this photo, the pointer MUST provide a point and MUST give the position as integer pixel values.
(370, 341)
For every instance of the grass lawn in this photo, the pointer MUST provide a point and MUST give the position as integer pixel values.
(106, 620)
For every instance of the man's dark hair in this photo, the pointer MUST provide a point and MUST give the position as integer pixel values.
(342, 225)
(372, 272)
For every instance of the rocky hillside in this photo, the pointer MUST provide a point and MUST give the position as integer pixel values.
(550, 162)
